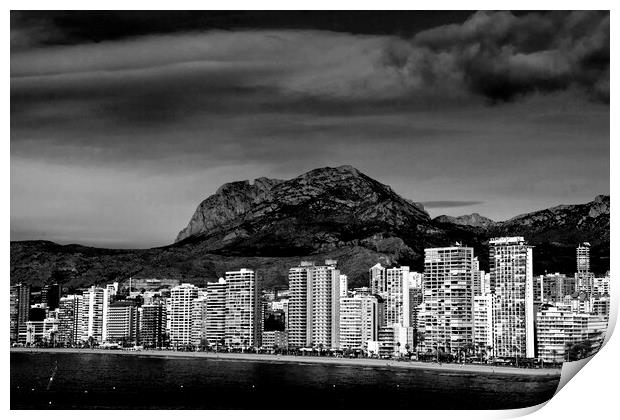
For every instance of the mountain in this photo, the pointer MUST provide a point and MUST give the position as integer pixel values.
(474, 220)
(341, 213)
(319, 211)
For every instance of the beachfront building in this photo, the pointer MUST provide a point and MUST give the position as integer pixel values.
(564, 335)
(123, 322)
(243, 321)
(199, 320)
(446, 318)
(397, 310)
(300, 307)
(325, 305)
(215, 322)
(19, 309)
(45, 331)
(181, 298)
(95, 304)
(358, 322)
(153, 325)
(275, 340)
(314, 305)
(69, 320)
(393, 340)
(483, 324)
(512, 284)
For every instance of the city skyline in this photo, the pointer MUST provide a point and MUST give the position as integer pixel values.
(451, 311)
(117, 134)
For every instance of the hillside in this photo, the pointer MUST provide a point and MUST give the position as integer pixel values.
(341, 213)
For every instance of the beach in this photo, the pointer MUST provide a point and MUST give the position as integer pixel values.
(379, 363)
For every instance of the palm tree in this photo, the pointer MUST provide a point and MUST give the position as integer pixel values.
(490, 352)
(554, 352)
(419, 339)
(569, 348)
(398, 345)
(407, 347)
(53, 335)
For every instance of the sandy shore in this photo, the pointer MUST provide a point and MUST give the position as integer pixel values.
(504, 370)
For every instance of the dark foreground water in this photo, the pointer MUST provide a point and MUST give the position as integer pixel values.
(110, 381)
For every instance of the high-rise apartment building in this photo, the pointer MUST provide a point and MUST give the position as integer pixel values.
(359, 321)
(325, 305)
(19, 309)
(300, 306)
(583, 275)
(200, 312)
(215, 324)
(70, 320)
(181, 298)
(123, 322)
(483, 323)
(153, 325)
(397, 308)
(447, 315)
(377, 279)
(50, 295)
(314, 305)
(243, 320)
(512, 284)
(481, 286)
(416, 298)
(95, 305)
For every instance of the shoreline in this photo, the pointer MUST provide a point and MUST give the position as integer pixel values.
(270, 358)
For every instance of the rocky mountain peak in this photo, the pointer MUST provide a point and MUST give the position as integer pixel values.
(342, 196)
(474, 219)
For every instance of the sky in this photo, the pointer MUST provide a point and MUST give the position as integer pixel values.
(123, 122)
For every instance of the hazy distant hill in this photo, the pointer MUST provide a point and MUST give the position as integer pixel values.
(338, 213)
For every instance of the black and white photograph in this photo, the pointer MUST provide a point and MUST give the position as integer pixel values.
(306, 210)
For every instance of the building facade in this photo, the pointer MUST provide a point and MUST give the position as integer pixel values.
(243, 322)
(153, 325)
(314, 305)
(359, 321)
(70, 320)
(123, 323)
(397, 309)
(181, 298)
(447, 315)
(95, 303)
(512, 283)
(19, 310)
(215, 323)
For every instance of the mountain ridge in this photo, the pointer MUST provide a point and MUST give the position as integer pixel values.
(341, 213)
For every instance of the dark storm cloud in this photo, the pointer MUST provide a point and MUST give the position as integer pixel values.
(122, 122)
(502, 56)
(449, 203)
(35, 28)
